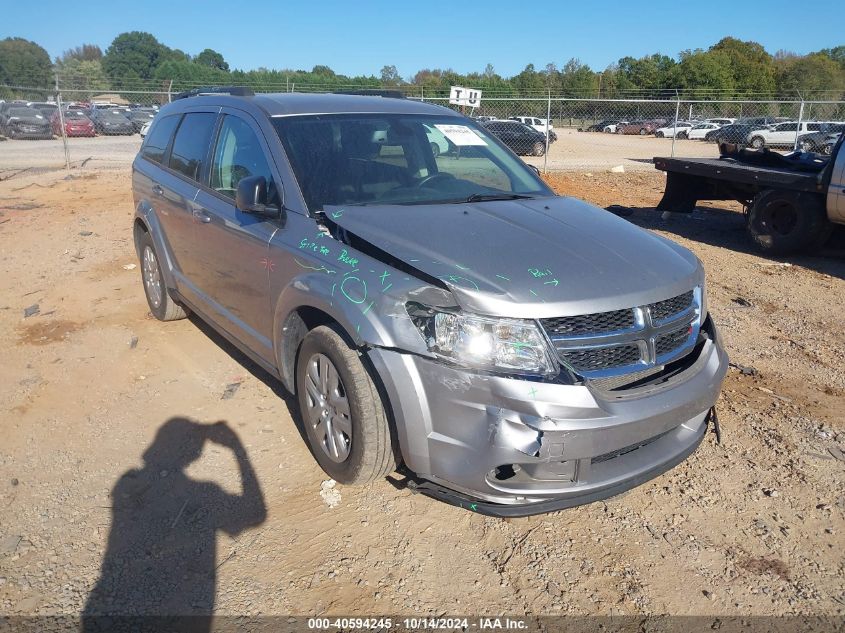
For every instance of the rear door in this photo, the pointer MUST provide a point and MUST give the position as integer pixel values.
(783, 134)
(186, 162)
(234, 267)
(168, 197)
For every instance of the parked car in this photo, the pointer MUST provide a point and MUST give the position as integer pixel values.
(736, 133)
(44, 107)
(783, 134)
(762, 121)
(720, 121)
(538, 124)
(814, 141)
(76, 123)
(700, 130)
(139, 116)
(109, 121)
(637, 127)
(519, 137)
(515, 351)
(680, 129)
(600, 125)
(437, 140)
(145, 128)
(25, 122)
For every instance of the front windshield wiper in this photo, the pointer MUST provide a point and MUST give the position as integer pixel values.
(484, 197)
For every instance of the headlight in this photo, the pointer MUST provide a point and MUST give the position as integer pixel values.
(512, 346)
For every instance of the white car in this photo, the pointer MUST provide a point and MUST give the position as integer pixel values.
(680, 130)
(535, 122)
(783, 134)
(700, 130)
(439, 143)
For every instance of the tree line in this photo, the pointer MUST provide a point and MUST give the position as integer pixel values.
(731, 68)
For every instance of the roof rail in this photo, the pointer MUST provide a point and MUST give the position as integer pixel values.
(373, 92)
(234, 91)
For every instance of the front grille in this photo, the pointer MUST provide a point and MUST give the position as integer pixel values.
(616, 344)
(602, 357)
(596, 323)
(671, 341)
(670, 307)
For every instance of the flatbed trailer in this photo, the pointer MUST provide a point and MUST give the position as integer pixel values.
(791, 201)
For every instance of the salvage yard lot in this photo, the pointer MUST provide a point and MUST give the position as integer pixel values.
(573, 151)
(751, 526)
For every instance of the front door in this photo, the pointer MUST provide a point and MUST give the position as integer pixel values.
(233, 275)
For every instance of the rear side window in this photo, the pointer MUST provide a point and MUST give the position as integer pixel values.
(190, 147)
(158, 138)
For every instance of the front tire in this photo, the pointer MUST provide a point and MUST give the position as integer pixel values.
(162, 305)
(538, 149)
(758, 142)
(658, 134)
(435, 149)
(807, 146)
(344, 418)
(782, 221)
(643, 131)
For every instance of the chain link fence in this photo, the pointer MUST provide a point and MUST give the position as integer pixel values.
(102, 124)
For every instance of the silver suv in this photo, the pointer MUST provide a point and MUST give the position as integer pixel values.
(441, 313)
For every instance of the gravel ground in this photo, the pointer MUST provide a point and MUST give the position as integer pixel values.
(112, 458)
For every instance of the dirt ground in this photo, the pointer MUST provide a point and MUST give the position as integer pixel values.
(751, 526)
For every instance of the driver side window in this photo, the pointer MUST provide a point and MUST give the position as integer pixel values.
(238, 154)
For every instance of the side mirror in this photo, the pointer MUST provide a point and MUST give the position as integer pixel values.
(536, 170)
(251, 197)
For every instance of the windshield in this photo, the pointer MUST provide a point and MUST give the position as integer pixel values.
(24, 112)
(381, 159)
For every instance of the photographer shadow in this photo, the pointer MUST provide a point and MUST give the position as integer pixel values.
(161, 558)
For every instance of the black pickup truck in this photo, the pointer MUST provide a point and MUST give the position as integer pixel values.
(792, 201)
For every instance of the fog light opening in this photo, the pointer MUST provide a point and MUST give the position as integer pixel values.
(505, 472)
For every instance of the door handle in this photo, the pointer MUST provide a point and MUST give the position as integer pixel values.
(157, 190)
(202, 216)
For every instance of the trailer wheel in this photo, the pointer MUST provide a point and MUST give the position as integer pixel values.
(782, 222)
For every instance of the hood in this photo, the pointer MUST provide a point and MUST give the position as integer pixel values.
(531, 258)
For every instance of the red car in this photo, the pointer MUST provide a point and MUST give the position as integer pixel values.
(76, 124)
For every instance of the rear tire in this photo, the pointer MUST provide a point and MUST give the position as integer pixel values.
(162, 305)
(658, 134)
(344, 418)
(758, 142)
(782, 222)
(435, 149)
(643, 131)
(538, 149)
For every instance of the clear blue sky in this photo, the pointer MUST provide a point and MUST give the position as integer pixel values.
(360, 37)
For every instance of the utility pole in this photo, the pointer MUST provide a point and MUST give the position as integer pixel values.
(62, 123)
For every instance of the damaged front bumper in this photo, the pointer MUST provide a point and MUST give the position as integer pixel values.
(511, 447)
